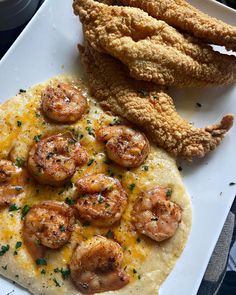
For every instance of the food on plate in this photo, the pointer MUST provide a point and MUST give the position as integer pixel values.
(63, 103)
(71, 229)
(11, 180)
(124, 146)
(156, 216)
(53, 160)
(151, 49)
(96, 266)
(149, 107)
(101, 199)
(48, 224)
(184, 16)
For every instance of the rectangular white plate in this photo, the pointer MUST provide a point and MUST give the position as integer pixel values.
(47, 47)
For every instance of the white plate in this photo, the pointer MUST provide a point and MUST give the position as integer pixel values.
(47, 47)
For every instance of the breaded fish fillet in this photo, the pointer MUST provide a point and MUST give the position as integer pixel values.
(151, 49)
(149, 107)
(182, 15)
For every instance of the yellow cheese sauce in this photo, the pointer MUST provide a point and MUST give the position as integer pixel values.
(23, 123)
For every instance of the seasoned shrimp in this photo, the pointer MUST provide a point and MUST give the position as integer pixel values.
(96, 266)
(53, 160)
(155, 216)
(102, 199)
(125, 146)
(11, 180)
(48, 224)
(63, 103)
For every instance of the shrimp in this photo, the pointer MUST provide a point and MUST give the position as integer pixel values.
(155, 216)
(125, 146)
(53, 160)
(96, 266)
(11, 180)
(63, 103)
(48, 224)
(102, 200)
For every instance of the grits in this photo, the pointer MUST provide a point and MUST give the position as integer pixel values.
(147, 262)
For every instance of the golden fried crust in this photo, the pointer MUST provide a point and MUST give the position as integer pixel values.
(181, 14)
(151, 49)
(149, 107)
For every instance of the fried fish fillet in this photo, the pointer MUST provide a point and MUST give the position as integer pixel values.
(149, 107)
(151, 49)
(182, 15)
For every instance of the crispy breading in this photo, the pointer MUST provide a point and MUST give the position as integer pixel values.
(151, 49)
(182, 15)
(149, 107)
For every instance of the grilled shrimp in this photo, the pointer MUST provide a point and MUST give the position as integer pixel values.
(125, 146)
(47, 225)
(96, 266)
(102, 199)
(53, 160)
(155, 216)
(63, 103)
(11, 180)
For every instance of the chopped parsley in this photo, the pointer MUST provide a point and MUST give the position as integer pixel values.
(41, 261)
(145, 167)
(37, 137)
(69, 201)
(4, 267)
(4, 249)
(13, 207)
(115, 121)
(43, 271)
(109, 234)
(90, 130)
(18, 188)
(169, 193)
(100, 199)
(37, 115)
(131, 186)
(139, 277)
(72, 141)
(18, 244)
(19, 162)
(62, 228)
(90, 162)
(19, 123)
(138, 240)
(24, 211)
(65, 273)
(49, 155)
(56, 283)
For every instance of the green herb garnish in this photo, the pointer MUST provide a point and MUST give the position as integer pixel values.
(41, 261)
(19, 123)
(90, 162)
(37, 137)
(4, 249)
(24, 211)
(131, 186)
